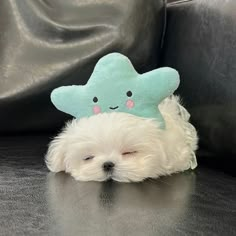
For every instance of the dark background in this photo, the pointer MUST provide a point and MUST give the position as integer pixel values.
(48, 43)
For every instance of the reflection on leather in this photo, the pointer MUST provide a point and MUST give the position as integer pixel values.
(107, 206)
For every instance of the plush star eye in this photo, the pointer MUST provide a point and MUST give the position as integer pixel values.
(87, 158)
(129, 94)
(95, 99)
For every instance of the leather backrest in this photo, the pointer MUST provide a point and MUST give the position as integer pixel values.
(46, 44)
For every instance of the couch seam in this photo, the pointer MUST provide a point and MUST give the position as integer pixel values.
(165, 24)
(178, 2)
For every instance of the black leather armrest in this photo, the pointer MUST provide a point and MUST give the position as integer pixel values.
(200, 42)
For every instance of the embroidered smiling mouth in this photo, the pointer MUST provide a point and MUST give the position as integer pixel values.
(113, 108)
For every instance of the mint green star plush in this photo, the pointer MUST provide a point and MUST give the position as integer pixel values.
(115, 86)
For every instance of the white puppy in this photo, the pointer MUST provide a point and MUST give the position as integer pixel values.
(125, 147)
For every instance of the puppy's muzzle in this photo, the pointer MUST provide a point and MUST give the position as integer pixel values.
(108, 166)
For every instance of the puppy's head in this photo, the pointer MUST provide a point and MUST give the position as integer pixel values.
(116, 146)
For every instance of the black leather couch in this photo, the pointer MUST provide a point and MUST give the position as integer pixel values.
(45, 44)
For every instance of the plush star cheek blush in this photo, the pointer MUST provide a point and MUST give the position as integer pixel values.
(96, 109)
(115, 86)
(130, 104)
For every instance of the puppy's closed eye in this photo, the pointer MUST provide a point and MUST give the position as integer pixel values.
(128, 153)
(87, 158)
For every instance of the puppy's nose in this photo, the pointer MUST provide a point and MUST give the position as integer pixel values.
(108, 166)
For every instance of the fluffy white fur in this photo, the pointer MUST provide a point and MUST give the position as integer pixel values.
(137, 146)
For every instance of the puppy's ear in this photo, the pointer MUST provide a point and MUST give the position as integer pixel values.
(55, 157)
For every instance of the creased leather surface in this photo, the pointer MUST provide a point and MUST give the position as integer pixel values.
(45, 44)
(36, 202)
(200, 42)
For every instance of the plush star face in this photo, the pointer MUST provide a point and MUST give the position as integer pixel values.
(115, 86)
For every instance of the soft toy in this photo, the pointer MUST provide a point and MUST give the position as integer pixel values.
(115, 86)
